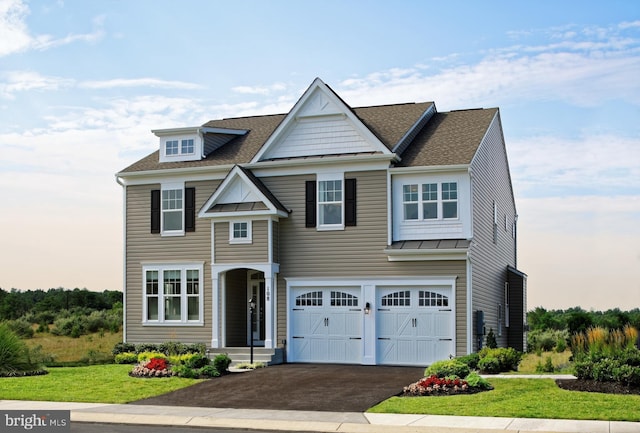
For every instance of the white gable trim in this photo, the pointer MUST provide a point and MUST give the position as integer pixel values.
(239, 186)
(307, 108)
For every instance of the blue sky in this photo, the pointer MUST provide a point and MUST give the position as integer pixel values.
(82, 84)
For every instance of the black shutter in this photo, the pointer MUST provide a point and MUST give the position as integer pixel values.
(310, 203)
(189, 209)
(155, 211)
(349, 202)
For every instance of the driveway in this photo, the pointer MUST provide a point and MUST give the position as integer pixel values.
(317, 387)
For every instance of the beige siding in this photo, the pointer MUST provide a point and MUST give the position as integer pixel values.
(354, 252)
(142, 246)
(255, 252)
(491, 182)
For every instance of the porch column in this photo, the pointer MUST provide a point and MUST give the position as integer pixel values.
(269, 292)
(215, 309)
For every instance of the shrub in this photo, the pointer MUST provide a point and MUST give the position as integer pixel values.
(123, 347)
(491, 339)
(184, 371)
(12, 351)
(147, 347)
(547, 367)
(195, 360)
(447, 368)
(471, 360)
(508, 358)
(209, 371)
(489, 364)
(147, 356)
(126, 358)
(221, 362)
(476, 381)
(21, 327)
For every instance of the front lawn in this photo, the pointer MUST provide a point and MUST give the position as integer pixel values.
(521, 398)
(109, 383)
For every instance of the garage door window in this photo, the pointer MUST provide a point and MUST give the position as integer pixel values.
(432, 299)
(397, 299)
(309, 299)
(342, 299)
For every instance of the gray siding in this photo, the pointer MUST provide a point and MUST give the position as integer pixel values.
(142, 246)
(255, 252)
(491, 183)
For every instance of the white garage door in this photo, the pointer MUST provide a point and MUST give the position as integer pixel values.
(415, 326)
(326, 325)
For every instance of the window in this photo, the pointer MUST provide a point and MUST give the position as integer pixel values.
(450, 200)
(342, 299)
(187, 146)
(397, 299)
(309, 299)
(330, 202)
(172, 294)
(410, 201)
(171, 147)
(240, 232)
(432, 299)
(172, 210)
(430, 201)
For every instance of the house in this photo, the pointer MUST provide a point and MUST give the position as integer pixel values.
(372, 235)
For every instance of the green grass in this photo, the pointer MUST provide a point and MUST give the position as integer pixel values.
(96, 384)
(522, 398)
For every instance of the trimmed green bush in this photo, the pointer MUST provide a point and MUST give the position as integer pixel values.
(123, 347)
(221, 362)
(476, 381)
(209, 371)
(489, 364)
(126, 358)
(447, 368)
(507, 357)
(147, 356)
(471, 360)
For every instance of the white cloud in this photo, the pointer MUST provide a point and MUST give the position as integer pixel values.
(597, 164)
(23, 81)
(260, 90)
(15, 36)
(139, 82)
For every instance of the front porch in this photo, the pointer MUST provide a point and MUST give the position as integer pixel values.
(241, 355)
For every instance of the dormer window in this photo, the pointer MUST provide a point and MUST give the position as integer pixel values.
(187, 146)
(193, 143)
(171, 147)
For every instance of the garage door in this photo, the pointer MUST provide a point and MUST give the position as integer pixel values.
(415, 326)
(326, 325)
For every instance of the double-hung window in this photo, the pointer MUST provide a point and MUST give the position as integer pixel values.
(330, 203)
(171, 147)
(172, 210)
(187, 146)
(430, 201)
(172, 294)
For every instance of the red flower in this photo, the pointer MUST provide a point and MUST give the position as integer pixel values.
(157, 364)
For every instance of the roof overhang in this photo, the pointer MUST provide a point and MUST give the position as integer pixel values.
(429, 250)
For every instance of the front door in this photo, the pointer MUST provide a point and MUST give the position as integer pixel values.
(255, 293)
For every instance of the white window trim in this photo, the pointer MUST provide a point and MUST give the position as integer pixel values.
(168, 187)
(195, 155)
(323, 177)
(181, 142)
(248, 239)
(439, 201)
(183, 268)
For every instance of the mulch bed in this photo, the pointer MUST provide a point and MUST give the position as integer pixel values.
(313, 387)
(595, 386)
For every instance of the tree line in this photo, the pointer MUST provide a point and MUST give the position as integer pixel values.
(577, 319)
(15, 304)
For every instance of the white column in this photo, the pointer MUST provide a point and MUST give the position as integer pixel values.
(269, 294)
(369, 340)
(215, 310)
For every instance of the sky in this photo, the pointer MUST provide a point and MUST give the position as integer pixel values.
(83, 83)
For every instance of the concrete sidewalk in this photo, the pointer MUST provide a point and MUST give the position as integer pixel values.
(307, 421)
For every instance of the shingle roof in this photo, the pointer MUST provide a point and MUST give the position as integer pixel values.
(448, 139)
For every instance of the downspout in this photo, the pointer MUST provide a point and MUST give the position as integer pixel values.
(124, 258)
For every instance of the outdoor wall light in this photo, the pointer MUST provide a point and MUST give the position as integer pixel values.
(367, 308)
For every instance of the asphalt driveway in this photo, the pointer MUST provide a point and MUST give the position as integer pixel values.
(317, 387)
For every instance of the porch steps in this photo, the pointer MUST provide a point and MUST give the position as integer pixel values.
(240, 355)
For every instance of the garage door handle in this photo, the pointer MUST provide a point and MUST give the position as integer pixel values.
(383, 338)
(445, 309)
(298, 309)
(297, 337)
(355, 338)
(446, 339)
(354, 309)
(384, 309)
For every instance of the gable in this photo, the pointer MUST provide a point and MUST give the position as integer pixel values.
(241, 193)
(320, 124)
